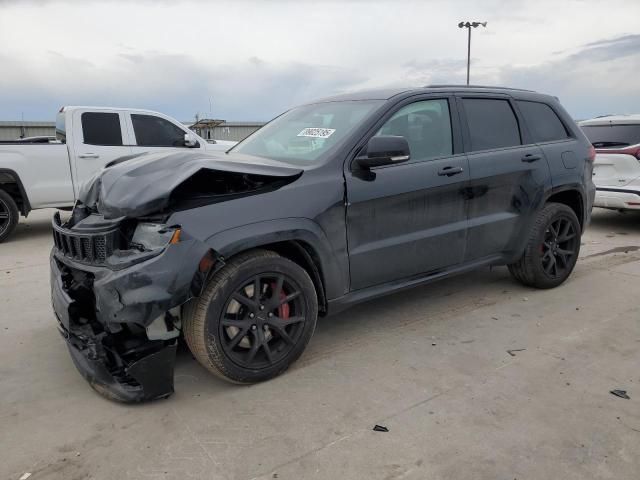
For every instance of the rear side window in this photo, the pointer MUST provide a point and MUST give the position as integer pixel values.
(152, 131)
(603, 136)
(101, 128)
(543, 123)
(492, 123)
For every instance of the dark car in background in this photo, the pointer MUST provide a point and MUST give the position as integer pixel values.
(330, 204)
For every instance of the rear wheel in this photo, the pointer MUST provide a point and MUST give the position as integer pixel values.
(253, 319)
(552, 249)
(9, 215)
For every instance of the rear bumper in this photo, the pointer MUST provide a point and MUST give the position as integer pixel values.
(618, 198)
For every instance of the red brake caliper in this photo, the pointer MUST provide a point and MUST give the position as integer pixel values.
(284, 309)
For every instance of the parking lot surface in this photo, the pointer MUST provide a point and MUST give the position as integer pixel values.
(475, 377)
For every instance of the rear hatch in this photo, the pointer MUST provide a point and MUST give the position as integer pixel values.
(617, 153)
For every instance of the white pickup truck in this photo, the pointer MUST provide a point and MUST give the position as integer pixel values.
(42, 175)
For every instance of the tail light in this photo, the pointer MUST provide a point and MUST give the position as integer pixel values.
(633, 150)
(592, 154)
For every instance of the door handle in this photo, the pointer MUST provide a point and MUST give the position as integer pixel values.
(449, 171)
(529, 157)
(88, 155)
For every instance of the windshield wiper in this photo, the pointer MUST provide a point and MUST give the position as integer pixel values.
(609, 144)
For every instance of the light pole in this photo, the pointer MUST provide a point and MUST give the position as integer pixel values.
(468, 26)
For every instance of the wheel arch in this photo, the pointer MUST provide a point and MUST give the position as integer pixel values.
(573, 197)
(11, 183)
(300, 240)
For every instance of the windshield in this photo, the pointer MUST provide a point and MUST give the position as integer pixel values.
(603, 136)
(305, 134)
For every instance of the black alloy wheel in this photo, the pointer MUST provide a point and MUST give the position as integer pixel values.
(552, 248)
(254, 318)
(559, 247)
(262, 321)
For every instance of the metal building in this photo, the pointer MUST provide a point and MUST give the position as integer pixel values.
(12, 130)
(221, 130)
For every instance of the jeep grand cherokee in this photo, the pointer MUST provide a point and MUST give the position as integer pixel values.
(331, 203)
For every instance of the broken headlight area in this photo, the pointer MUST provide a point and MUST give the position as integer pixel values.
(154, 236)
(92, 240)
(127, 362)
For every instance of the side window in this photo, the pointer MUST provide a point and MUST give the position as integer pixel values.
(544, 124)
(492, 123)
(427, 127)
(101, 128)
(152, 131)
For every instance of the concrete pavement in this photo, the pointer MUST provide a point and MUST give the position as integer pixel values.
(430, 364)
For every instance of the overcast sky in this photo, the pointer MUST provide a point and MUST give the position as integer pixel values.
(250, 60)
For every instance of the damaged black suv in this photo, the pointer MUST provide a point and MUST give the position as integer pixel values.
(330, 204)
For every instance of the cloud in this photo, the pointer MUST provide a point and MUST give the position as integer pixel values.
(435, 71)
(253, 59)
(610, 49)
(599, 77)
(176, 84)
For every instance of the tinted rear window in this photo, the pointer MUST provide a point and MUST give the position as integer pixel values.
(604, 136)
(101, 128)
(492, 123)
(543, 123)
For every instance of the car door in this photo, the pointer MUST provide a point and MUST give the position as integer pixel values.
(152, 133)
(100, 137)
(409, 219)
(507, 176)
(548, 131)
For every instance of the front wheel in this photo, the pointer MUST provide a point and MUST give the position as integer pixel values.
(552, 249)
(254, 318)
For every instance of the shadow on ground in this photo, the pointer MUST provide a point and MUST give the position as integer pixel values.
(620, 223)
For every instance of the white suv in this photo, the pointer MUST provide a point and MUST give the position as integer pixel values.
(616, 172)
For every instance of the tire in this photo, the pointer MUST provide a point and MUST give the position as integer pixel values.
(9, 215)
(222, 316)
(545, 262)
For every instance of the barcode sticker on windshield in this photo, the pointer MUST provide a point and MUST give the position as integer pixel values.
(317, 132)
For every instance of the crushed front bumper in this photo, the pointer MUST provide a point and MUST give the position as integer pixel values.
(103, 314)
(118, 374)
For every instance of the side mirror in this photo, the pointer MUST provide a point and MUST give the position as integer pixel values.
(190, 141)
(385, 150)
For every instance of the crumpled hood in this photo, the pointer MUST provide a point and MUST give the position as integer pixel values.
(142, 185)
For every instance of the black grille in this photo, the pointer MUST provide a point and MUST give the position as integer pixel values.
(85, 247)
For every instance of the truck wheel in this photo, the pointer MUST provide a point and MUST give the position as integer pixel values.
(9, 215)
(253, 319)
(552, 249)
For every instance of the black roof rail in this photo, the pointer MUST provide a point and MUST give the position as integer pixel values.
(476, 86)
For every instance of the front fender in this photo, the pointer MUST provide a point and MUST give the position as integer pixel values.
(235, 240)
